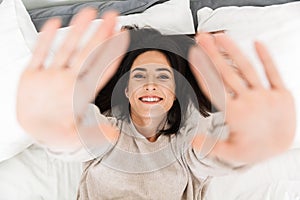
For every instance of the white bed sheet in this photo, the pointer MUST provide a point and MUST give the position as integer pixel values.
(275, 179)
(34, 175)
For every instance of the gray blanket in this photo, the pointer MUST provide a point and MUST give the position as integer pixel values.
(125, 7)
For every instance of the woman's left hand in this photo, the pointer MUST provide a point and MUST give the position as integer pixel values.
(262, 121)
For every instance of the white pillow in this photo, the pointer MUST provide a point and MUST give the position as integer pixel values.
(278, 26)
(17, 34)
(171, 17)
(247, 21)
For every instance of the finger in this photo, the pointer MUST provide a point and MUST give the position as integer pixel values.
(243, 64)
(103, 63)
(79, 24)
(44, 42)
(208, 77)
(231, 79)
(269, 66)
(105, 30)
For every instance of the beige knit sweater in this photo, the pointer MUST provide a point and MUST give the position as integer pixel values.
(169, 168)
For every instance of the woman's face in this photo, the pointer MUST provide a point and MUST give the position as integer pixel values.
(151, 85)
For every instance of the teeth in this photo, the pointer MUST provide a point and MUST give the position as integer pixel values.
(151, 99)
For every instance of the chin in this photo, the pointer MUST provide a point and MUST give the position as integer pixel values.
(155, 111)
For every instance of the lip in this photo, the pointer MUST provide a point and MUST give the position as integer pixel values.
(150, 99)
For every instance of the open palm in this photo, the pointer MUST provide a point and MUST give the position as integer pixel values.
(261, 120)
(53, 100)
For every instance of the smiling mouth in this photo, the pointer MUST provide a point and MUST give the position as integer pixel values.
(150, 99)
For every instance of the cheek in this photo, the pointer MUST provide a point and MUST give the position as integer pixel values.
(169, 89)
(132, 90)
(170, 96)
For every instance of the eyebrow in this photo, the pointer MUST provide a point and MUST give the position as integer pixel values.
(163, 69)
(158, 69)
(139, 69)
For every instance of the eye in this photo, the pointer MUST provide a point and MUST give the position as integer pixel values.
(164, 77)
(138, 76)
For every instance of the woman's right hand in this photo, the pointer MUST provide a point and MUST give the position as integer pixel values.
(52, 100)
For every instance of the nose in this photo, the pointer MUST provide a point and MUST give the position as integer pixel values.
(150, 84)
(150, 87)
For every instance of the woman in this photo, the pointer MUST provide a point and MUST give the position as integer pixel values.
(152, 146)
(155, 110)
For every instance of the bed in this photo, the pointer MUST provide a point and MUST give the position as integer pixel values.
(28, 172)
